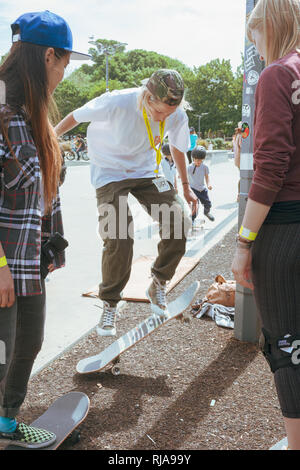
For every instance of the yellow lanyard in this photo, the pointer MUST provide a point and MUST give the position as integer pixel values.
(151, 140)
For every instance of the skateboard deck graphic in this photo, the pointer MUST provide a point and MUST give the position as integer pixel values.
(61, 418)
(111, 354)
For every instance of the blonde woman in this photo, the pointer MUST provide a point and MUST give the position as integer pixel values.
(267, 257)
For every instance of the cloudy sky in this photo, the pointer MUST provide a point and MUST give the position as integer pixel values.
(193, 31)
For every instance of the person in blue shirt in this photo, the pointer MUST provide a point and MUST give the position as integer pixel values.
(194, 138)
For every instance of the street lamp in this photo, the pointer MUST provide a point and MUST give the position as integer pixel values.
(106, 50)
(199, 116)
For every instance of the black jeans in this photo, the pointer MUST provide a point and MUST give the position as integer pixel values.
(204, 199)
(21, 338)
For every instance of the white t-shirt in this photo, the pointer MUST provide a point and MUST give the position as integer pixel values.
(118, 142)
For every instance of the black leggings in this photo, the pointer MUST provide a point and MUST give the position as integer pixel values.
(276, 278)
(21, 338)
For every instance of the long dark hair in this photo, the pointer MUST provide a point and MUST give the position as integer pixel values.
(25, 77)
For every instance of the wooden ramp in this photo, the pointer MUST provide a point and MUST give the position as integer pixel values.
(140, 278)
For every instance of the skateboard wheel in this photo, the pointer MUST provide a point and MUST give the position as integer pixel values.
(180, 318)
(115, 370)
(74, 437)
(186, 319)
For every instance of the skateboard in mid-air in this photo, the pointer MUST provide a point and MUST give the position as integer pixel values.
(111, 355)
(62, 418)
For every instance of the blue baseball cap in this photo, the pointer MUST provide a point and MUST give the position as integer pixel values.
(45, 29)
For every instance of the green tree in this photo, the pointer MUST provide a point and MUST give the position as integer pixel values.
(3, 58)
(130, 68)
(216, 90)
(212, 88)
(68, 97)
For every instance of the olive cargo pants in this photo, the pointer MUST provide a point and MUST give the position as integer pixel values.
(116, 230)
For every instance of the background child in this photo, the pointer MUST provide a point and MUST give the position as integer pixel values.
(193, 139)
(80, 145)
(168, 166)
(198, 174)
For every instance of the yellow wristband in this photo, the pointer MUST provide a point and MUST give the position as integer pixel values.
(246, 233)
(3, 262)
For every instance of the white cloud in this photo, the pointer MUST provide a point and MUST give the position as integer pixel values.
(194, 32)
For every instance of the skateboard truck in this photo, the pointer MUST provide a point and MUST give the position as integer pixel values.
(115, 368)
(184, 318)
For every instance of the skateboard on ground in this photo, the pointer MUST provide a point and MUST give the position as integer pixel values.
(62, 418)
(111, 355)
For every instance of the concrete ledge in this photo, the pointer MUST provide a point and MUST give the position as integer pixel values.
(217, 156)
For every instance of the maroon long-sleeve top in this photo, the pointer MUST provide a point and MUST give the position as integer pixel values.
(277, 133)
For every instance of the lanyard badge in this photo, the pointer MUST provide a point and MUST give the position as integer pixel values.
(157, 149)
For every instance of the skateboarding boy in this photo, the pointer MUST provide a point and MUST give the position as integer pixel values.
(126, 131)
(198, 174)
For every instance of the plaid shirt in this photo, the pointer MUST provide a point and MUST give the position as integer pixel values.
(22, 227)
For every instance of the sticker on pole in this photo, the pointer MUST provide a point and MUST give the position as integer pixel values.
(246, 110)
(253, 77)
(245, 130)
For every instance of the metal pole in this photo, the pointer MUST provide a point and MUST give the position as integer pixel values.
(246, 325)
(199, 116)
(106, 50)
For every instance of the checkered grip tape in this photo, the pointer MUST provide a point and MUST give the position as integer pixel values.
(31, 435)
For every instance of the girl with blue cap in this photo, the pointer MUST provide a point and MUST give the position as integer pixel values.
(30, 162)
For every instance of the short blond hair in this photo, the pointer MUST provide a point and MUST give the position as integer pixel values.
(279, 22)
(145, 96)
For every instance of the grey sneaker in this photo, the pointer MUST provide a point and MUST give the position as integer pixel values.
(156, 293)
(107, 325)
(28, 437)
(210, 216)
